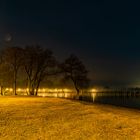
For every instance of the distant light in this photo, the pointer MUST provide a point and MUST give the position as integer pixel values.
(19, 90)
(66, 90)
(11, 89)
(43, 95)
(59, 90)
(55, 90)
(93, 96)
(43, 90)
(55, 95)
(93, 90)
(7, 89)
(60, 95)
(66, 95)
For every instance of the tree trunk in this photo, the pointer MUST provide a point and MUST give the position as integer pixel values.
(15, 83)
(1, 87)
(36, 93)
(38, 84)
(30, 87)
(77, 95)
(77, 89)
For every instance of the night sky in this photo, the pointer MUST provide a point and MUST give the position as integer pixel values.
(105, 34)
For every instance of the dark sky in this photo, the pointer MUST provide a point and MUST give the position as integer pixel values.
(105, 34)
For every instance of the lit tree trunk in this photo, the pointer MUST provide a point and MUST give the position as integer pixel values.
(75, 71)
(37, 61)
(15, 82)
(38, 84)
(31, 88)
(76, 87)
(36, 93)
(1, 87)
(78, 92)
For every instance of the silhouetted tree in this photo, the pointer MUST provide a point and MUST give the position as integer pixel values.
(38, 64)
(12, 57)
(6, 77)
(75, 71)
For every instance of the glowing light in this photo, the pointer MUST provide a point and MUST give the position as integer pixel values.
(93, 90)
(10, 89)
(43, 90)
(50, 90)
(55, 90)
(55, 95)
(43, 95)
(60, 95)
(66, 90)
(7, 89)
(66, 95)
(93, 96)
(18, 89)
(59, 90)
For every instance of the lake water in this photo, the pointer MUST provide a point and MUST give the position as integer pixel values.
(125, 101)
(107, 98)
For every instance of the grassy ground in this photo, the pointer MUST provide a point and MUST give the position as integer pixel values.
(28, 118)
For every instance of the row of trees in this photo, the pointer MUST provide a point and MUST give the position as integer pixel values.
(36, 64)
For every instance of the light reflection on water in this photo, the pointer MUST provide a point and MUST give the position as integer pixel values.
(120, 101)
(100, 98)
(128, 98)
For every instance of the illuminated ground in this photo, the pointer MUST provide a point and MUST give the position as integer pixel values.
(60, 119)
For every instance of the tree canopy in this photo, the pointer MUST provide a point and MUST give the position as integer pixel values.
(36, 64)
(76, 71)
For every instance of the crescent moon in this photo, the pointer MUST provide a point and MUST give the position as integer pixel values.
(8, 38)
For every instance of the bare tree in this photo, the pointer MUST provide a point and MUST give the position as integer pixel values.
(13, 58)
(75, 71)
(38, 64)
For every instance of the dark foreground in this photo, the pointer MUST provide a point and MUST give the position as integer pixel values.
(28, 118)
